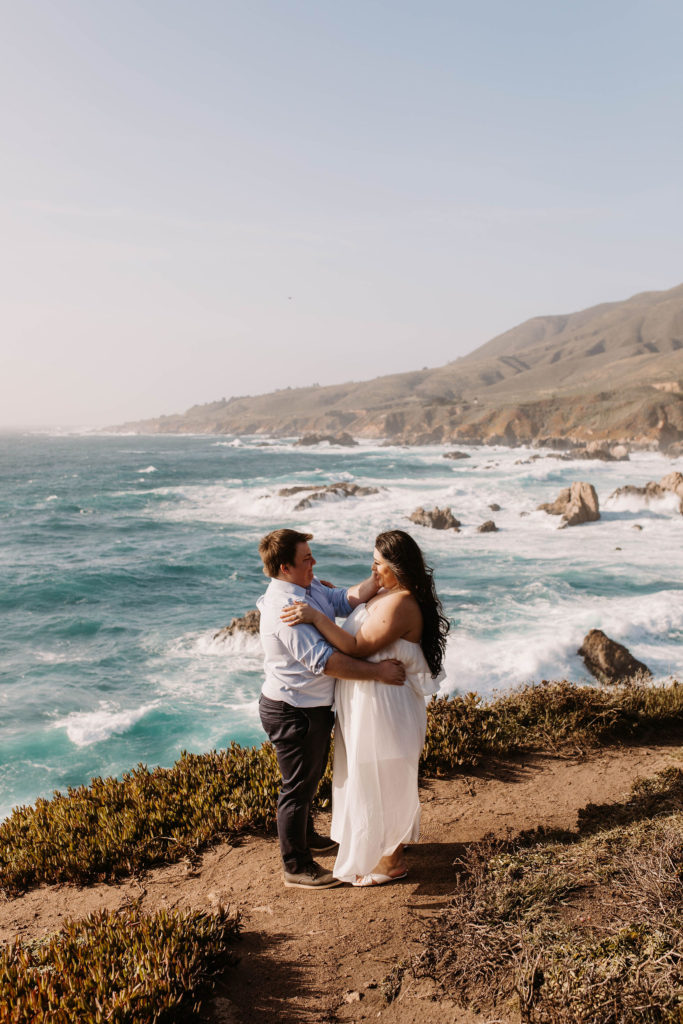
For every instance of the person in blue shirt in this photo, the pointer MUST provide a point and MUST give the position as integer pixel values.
(298, 692)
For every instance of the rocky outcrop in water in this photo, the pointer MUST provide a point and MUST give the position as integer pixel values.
(609, 661)
(488, 527)
(436, 518)
(332, 492)
(576, 504)
(456, 455)
(672, 483)
(601, 452)
(247, 623)
(343, 439)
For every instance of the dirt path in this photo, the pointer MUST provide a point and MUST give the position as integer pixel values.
(310, 957)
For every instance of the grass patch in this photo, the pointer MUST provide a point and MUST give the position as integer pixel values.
(115, 827)
(127, 966)
(588, 930)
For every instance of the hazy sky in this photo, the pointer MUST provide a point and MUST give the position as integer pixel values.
(213, 198)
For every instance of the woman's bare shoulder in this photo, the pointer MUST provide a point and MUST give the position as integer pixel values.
(393, 602)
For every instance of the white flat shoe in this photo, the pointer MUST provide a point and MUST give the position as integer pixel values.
(375, 878)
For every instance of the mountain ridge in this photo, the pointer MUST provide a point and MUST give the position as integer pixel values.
(613, 371)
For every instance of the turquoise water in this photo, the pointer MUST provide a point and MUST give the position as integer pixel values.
(121, 557)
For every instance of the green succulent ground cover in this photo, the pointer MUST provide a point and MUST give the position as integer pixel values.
(463, 730)
(127, 967)
(577, 928)
(115, 827)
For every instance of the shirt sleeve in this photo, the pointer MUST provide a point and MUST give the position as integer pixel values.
(340, 601)
(306, 645)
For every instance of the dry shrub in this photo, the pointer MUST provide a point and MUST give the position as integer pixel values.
(584, 931)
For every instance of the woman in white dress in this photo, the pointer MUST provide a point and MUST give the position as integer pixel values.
(380, 730)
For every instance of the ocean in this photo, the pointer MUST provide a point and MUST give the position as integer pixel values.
(122, 556)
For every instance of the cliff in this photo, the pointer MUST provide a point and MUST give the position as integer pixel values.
(614, 371)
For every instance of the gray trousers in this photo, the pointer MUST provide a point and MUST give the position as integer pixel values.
(301, 737)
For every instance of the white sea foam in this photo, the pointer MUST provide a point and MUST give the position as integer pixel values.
(539, 639)
(87, 727)
(59, 657)
(200, 671)
(207, 644)
(148, 469)
(667, 504)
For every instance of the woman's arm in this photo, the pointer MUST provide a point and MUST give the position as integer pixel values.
(391, 619)
(360, 593)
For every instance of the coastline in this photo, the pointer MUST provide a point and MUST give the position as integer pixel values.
(110, 675)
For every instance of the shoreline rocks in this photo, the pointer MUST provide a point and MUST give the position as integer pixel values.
(488, 527)
(247, 623)
(343, 439)
(609, 661)
(436, 518)
(576, 504)
(340, 490)
(601, 452)
(671, 483)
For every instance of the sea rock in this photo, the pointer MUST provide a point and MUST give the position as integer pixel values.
(649, 491)
(494, 507)
(602, 451)
(561, 444)
(334, 492)
(287, 492)
(671, 483)
(576, 504)
(437, 518)
(488, 527)
(247, 623)
(609, 661)
(455, 455)
(343, 439)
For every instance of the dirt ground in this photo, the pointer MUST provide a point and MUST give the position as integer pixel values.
(307, 957)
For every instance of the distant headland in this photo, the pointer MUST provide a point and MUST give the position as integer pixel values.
(613, 372)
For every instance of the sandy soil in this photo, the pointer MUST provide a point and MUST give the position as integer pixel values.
(308, 957)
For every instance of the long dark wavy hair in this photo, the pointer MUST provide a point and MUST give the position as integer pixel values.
(406, 561)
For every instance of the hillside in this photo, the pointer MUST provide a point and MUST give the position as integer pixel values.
(614, 371)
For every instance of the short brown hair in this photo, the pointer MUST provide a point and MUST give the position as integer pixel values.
(279, 548)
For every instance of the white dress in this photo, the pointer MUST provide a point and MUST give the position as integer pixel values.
(378, 740)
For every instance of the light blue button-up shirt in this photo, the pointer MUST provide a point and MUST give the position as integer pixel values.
(296, 656)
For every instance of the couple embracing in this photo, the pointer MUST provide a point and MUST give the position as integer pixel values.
(377, 671)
